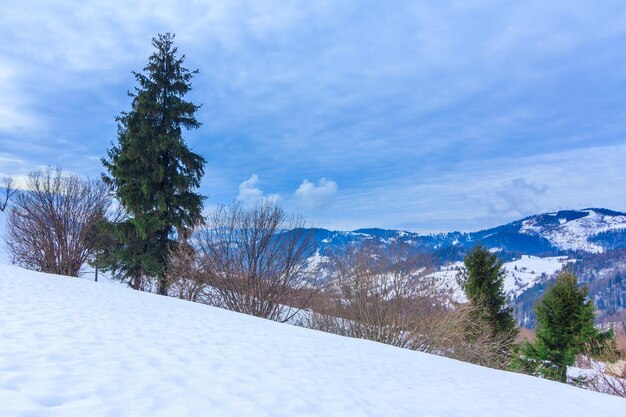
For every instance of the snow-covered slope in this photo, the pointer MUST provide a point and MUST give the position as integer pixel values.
(569, 230)
(69, 347)
(521, 274)
(525, 272)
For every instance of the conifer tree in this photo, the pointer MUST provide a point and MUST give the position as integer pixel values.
(152, 170)
(483, 282)
(565, 326)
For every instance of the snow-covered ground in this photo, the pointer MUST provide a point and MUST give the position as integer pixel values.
(445, 279)
(521, 274)
(525, 272)
(70, 347)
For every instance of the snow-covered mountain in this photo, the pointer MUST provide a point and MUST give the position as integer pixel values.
(591, 230)
(535, 248)
(586, 230)
(69, 347)
(522, 274)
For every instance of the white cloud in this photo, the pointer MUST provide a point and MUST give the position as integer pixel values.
(248, 190)
(311, 195)
(250, 193)
(409, 157)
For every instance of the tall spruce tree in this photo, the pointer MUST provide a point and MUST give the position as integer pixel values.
(483, 283)
(565, 326)
(151, 169)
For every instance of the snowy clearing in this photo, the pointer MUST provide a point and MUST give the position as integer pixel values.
(575, 234)
(70, 347)
(521, 274)
(527, 271)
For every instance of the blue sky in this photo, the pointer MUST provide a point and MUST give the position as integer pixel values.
(425, 116)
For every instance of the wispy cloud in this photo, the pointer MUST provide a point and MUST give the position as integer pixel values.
(422, 112)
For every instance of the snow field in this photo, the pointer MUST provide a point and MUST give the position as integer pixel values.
(575, 234)
(528, 273)
(70, 347)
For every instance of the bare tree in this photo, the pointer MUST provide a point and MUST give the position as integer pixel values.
(186, 277)
(469, 337)
(50, 222)
(604, 368)
(385, 294)
(8, 192)
(250, 260)
(602, 378)
(376, 293)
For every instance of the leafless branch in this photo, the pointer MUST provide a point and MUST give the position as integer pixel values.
(49, 222)
(253, 261)
(385, 294)
(8, 191)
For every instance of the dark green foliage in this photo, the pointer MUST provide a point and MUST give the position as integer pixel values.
(151, 169)
(483, 281)
(565, 327)
(526, 359)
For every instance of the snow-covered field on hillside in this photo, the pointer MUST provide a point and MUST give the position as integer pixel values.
(70, 347)
(575, 234)
(527, 271)
(521, 274)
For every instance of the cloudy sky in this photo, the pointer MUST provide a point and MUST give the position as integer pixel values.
(427, 116)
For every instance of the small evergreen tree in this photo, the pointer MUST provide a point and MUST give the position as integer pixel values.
(482, 279)
(565, 327)
(151, 170)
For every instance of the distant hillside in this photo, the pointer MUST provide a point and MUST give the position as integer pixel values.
(605, 276)
(589, 230)
(594, 240)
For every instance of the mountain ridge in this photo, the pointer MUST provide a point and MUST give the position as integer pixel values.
(591, 230)
(591, 241)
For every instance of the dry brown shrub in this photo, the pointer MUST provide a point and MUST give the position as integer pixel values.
(608, 375)
(525, 334)
(184, 275)
(373, 293)
(249, 260)
(620, 340)
(472, 339)
(51, 222)
(385, 295)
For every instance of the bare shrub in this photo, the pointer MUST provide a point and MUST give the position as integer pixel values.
(385, 295)
(606, 383)
(620, 339)
(525, 335)
(610, 378)
(49, 222)
(187, 279)
(374, 293)
(250, 260)
(472, 338)
(603, 371)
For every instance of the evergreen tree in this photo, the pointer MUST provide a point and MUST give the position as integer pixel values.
(483, 282)
(565, 327)
(151, 169)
